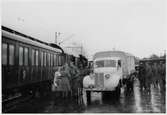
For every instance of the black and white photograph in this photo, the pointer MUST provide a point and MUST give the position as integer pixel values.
(83, 56)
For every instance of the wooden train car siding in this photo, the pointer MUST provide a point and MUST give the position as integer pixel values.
(22, 61)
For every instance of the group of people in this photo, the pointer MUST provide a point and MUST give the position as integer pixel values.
(68, 78)
(152, 74)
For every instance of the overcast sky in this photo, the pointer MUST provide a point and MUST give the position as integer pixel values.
(134, 26)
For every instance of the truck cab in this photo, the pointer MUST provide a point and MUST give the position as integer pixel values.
(107, 72)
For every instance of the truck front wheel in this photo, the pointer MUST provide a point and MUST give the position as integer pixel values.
(88, 96)
(118, 91)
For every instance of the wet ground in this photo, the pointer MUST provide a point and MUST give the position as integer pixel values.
(135, 101)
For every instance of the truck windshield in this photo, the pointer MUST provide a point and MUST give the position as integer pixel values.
(105, 63)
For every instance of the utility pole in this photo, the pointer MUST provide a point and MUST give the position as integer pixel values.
(67, 38)
(56, 36)
(81, 49)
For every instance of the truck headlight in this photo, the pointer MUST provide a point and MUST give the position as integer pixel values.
(107, 76)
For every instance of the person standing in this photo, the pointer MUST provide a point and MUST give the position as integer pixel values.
(65, 77)
(74, 76)
(57, 82)
(162, 72)
(61, 82)
(141, 76)
(56, 75)
(148, 77)
(154, 79)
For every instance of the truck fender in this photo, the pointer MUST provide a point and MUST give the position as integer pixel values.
(88, 81)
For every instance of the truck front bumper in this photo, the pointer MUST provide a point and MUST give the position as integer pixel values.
(98, 89)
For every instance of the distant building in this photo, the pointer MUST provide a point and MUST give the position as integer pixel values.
(75, 50)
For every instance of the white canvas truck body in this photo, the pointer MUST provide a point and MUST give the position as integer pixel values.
(109, 68)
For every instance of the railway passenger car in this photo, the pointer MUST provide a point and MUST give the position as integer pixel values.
(28, 64)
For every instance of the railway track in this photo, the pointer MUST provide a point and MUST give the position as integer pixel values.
(12, 102)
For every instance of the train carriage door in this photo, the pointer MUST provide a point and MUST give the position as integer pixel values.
(44, 68)
(24, 72)
(54, 60)
(9, 68)
(51, 64)
(48, 65)
(41, 65)
(37, 72)
(4, 65)
(32, 64)
(12, 72)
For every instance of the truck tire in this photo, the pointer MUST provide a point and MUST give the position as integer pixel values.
(118, 91)
(88, 96)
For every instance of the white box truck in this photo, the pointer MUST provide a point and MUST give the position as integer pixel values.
(109, 69)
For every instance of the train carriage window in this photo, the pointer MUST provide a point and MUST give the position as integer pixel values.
(41, 58)
(11, 54)
(25, 56)
(36, 57)
(64, 59)
(51, 60)
(54, 60)
(56, 63)
(48, 58)
(60, 61)
(20, 55)
(32, 57)
(61, 58)
(4, 54)
(45, 59)
(57, 59)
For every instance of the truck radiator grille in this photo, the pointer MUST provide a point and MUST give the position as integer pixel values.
(99, 80)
